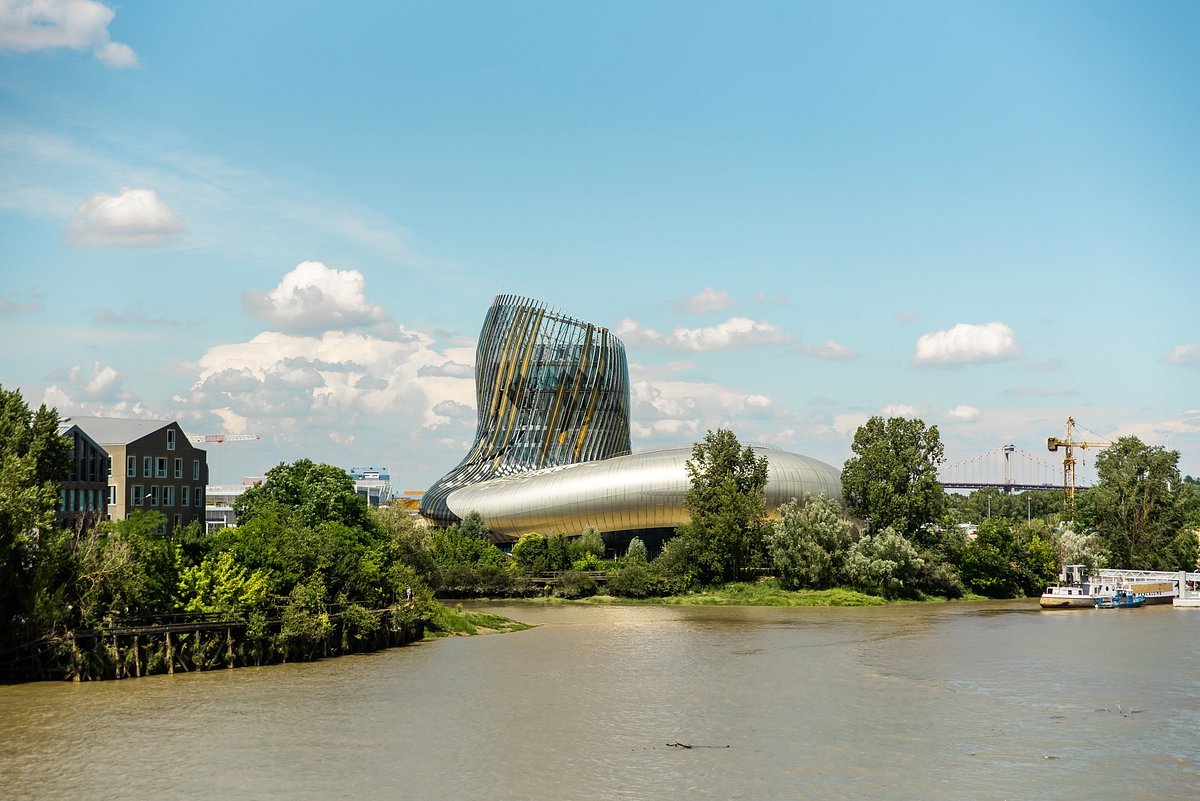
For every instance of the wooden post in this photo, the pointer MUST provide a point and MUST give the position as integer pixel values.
(116, 658)
(137, 660)
(170, 654)
(229, 646)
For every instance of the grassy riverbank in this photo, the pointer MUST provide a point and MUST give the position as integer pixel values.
(766, 592)
(455, 621)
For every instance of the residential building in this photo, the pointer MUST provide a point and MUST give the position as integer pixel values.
(152, 465)
(83, 497)
(374, 485)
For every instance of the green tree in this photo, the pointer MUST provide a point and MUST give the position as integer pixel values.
(473, 526)
(636, 552)
(885, 563)
(220, 585)
(891, 481)
(727, 506)
(558, 552)
(34, 458)
(311, 493)
(808, 543)
(125, 570)
(1140, 505)
(530, 553)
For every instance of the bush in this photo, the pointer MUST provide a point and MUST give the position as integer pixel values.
(885, 562)
(633, 581)
(574, 584)
(589, 542)
(636, 552)
(531, 553)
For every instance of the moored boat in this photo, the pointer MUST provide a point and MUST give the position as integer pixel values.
(1121, 599)
(1068, 596)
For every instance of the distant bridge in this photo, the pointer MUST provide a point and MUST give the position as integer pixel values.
(1006, 468)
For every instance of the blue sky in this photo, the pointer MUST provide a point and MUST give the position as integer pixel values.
(290, 218)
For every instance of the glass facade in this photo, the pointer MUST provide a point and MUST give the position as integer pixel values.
(550, 391)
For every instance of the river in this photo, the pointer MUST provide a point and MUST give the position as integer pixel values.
(977, 700)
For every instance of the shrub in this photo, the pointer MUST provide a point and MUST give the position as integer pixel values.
(633, 581)
(636, 552)
(574, 584)
(885, 562)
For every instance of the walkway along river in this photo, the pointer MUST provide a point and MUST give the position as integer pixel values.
(987, 700)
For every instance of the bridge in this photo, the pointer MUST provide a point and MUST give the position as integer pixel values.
(1006, 468)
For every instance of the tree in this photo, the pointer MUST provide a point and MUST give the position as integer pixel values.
(531, 554)
(636, 552)
(310, 493)
(33, 460)
(886, 563)
(891, 482)
(1140, 505)
(727, 505)
(808, 543)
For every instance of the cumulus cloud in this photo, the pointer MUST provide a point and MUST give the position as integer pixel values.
(130, 217)
(313, 298)
(30, 25)
(706, 300)
(967, 343)
(828, 350)
(736, 332)
(449, 369)
(965, 413)
(665, 410)
(97, 389)
(900, 410)
(1185, 354)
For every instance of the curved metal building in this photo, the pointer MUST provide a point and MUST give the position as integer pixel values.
(642, 491)
(551, 450)
(550, 390)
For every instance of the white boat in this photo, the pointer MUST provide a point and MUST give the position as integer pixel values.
(1058, 596)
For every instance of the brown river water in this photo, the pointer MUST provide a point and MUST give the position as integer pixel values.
(979, 700)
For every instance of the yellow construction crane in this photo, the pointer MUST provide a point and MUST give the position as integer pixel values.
(1053, 444)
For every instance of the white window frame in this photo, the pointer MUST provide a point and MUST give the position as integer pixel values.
(147, 467)
(198, 496)
(170, 439)
(168, 495)
(178, 467)
(112, 494)
(184, 498)
(154, 495)
(137, 495)
(131, 466)
(160, 467)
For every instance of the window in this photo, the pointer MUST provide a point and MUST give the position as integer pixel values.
(131, 466)
(183, 496)
(199, 496)
(137, 495)
(196, 470)
(160, 467)
(170, 439)
(168, 496)
(112, 494)
(148, 467)
(154, 495)
(109, 460)
(178, 521)
(178, 467)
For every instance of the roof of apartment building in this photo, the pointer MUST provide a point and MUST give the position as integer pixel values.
(115, 430)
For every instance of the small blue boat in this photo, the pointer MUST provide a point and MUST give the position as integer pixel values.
(1121, 599)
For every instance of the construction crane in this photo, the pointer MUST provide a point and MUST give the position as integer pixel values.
(198, 439)
(1053, 444)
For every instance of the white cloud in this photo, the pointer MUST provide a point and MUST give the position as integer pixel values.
(965, 413)
(95, 390)
(1185, 354)
(450, 369)
(828, 350)
(30, 25)
(664, 410)
(900, 410)
(736, 332)
(1045, 366)
(130, 217)
(966, 343)
(313, 298)
(706, 300)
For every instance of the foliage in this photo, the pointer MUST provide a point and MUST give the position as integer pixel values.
(407, 540)
(727, 506)
(636, 552)
(447, 621)
(808, 543)
(1075, 547)
(991, 502)
(634, 580)
(558, 552)
(33, 459)
(590, 562)
(124, 570)
(473, 526)
(891, 481)
(311, 493)
(1139, 506)
(885, 563)
(449, 546)
(574, 584)
(219, 585)
(531, 554)
(589, 542)
(677, 561)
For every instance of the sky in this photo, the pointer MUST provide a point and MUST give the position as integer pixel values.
(290, 219)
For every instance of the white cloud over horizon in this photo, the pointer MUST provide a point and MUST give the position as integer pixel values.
(965, 413)
(27, 26)
(829, 349)
(132, 217)
(313, 298)
(967, 343)
(706, 300)
(736, 332)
